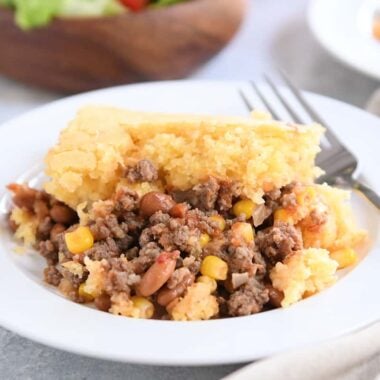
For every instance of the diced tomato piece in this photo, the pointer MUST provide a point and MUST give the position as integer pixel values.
(135, 5)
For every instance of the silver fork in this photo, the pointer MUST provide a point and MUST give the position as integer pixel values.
(335, 159)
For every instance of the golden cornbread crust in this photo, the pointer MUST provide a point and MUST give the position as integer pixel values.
(87, 163)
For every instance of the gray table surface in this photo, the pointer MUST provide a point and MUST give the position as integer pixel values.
(275, 32)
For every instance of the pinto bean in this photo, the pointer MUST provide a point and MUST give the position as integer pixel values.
(275, 296)
(157, 275)
(155, 201)
(56, 230)
(103, 302)
(63, 214)
(41, 209)
(179, 210)
(166, 295)
(23, 196)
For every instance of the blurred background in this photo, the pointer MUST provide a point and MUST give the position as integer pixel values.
(273, 33)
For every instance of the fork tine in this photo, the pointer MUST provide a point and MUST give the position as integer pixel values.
(283, 101)
(310, 110)
(246, 102)
(265, 101)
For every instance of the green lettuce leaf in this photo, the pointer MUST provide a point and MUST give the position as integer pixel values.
(7, 3)
(89, 8)
(33, 13)
(162, 3)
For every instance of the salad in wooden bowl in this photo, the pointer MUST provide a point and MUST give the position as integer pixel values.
(78, 45)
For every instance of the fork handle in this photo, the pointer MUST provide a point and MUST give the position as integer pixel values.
(370, 194)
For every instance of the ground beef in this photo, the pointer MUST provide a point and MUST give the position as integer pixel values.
(316, 219)
(104, 249)
(146, 256)
(129, 241)
(108, 227)
(246, 259)
(44, 228)
(288, 197)
(131, 253)
(284, 197)
(159, 217)
(101, 209)
(248, 299)
(192, 263)
(121, 276)
(52, 275)
(74, 280)
(71, 292)
(278, 242)
(289, 200)
(228, 191)
(49, 251)
(62, 247)
(115, 220)
(125, 243)
(57, 231)
(143, 171)
(202, 196)
(125, 200)
(181, 275)
(201, 220)
(273, 195)
(171, 234)
(134, 223)
(187, 240)
(210, 195)
(223, 307)
(217, 247)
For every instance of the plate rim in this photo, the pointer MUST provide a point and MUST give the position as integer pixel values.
(138, 359)
(322, 38)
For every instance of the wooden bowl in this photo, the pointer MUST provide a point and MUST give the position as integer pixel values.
(74, 55)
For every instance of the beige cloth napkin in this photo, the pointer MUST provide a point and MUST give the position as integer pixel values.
(353, 357)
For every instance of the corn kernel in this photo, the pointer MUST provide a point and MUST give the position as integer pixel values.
(243, 231)
(306, 195)
(308, 293)
(244, 207)
(214, 267)
(209, 281)
(345, 257)
(79, 240)
(283, 215)
(143, 307)
(87, 297)
(204, 239)
(219, 220)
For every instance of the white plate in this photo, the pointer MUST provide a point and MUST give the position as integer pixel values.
(343, 27)
(34, 310)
